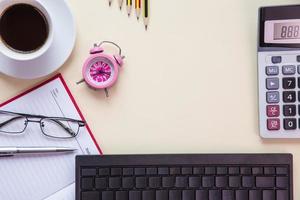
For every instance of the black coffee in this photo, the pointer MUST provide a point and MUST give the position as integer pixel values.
(23, 28)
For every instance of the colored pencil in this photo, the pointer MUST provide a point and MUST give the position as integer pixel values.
(138, 8)
(146, 13)
(129, 6)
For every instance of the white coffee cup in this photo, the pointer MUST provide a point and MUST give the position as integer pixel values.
(24, 56)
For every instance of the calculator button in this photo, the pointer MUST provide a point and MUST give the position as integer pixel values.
(289, 69)
(272, 70)
(290, 124)
(273, 97)
(289, 110)
(273, 111)
(276, 59)
(299, 82)
(272, 83)
(289, 96)
(273, 124)
(289, 83)
(298, 58)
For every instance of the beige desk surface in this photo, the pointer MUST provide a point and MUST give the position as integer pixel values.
(189, 84)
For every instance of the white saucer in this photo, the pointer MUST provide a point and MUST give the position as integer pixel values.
(64, 35)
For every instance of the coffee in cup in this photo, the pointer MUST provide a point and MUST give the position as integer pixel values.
(23, 28)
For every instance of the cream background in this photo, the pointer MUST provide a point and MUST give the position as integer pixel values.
(189, 84)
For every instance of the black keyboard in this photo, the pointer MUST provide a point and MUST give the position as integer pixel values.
(185, 177)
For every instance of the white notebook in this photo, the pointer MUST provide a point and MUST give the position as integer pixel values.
(47, 177)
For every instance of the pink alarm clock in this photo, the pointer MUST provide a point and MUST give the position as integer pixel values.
(100, 70)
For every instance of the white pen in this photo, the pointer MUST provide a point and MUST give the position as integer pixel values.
(13, 151)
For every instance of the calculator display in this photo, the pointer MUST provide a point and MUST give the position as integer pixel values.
(286, 31)
(282, 31)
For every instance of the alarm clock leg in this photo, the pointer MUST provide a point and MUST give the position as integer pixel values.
(106, 92)
(81, 81)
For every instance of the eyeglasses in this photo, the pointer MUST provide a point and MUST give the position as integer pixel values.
(53, 127)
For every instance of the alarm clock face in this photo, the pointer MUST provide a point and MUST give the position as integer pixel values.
(100, 72)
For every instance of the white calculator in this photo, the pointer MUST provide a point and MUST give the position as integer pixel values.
(279, 71)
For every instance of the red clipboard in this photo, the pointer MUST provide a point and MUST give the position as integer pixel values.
(58, 76)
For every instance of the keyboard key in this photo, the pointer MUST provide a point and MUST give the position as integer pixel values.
(139, 171)
(282, 195)
(272, 70)
(116, 172)
(128, 171)
(122, 195)
(248, 181)
(282, 182)
(151, 171)
(187, 170)
(269, 195)
(222, 170)
(175, 171)
(273, 111)
(246, 171)
(174, 195)
(289, 110)
(234, 181)
(289, 97)
(100, 183)
(181, 182)
(208, 181)
(257, 170)
(103, 172)
(272, 83)
(289, 83)
(188, 195)
(255, 195)
(210, 170)
(276, 59)
(107, 195)
(288, 69)
(202, 195)
(155, 182)
(141, 182)
(87, 183)
(215, 195)
(194, 182)
(272, 97)
(290, 124)
(273, 124)
(269, 170)
(299, 80)
(135, 195)
(88, 172)
(228, 195)
(114, 182)
(163, 171)
(168, 182)
(92, 195)
(149, 195)
(241, 195)
(234, 170)
(298, 59)
(222, 181)
(281, 171)
(265, 182)
(162, 195)
(128, 182)
(198, 170)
